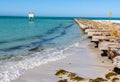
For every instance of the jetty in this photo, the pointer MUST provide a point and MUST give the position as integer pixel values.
(106, 36)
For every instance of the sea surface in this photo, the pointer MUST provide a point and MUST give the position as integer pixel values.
(25, 45)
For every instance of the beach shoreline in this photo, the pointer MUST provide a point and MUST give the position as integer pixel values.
(77, 63)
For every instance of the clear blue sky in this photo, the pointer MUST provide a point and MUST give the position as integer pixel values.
(97, 8)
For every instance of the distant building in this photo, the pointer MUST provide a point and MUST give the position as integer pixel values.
(31, 16)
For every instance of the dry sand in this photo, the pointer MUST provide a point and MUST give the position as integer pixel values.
(85, 61)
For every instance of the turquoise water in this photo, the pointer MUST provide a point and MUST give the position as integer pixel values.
(24, 44)
(18, 34)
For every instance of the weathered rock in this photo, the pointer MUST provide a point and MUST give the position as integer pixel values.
(117, 70)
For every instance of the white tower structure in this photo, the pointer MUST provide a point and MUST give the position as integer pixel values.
(31, 16)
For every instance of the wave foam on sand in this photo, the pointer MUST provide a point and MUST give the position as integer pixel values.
(16, 69)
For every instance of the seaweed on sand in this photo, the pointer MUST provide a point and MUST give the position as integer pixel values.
(110, 74)
(115, 79)
(71, 75)
(61, 73)
(64, 80)
(99, 79)
(91, 80)
(77, 78)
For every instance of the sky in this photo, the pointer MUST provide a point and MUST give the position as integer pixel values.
(67, 8)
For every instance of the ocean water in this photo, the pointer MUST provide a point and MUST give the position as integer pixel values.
(25, 45)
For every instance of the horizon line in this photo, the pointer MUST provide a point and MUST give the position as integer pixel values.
(62, 16)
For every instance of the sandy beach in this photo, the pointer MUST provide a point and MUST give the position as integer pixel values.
(85, 61)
